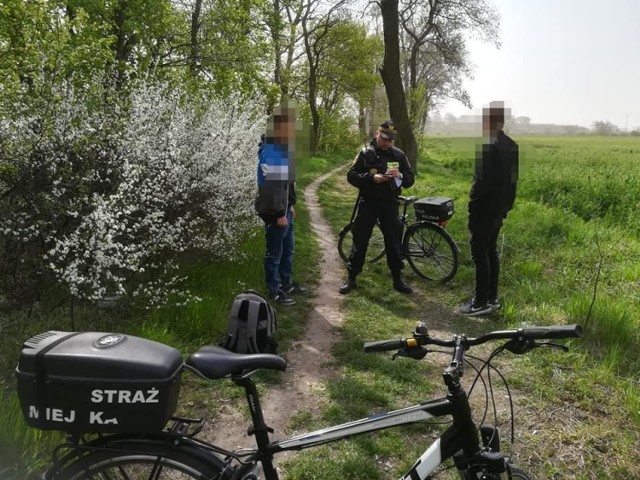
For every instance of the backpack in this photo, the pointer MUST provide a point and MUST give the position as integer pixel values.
(252, 325)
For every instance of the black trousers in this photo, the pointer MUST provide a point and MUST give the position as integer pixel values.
(484, 251)
(368, 212)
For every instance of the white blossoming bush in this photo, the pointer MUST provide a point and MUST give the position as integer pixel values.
(123, 193)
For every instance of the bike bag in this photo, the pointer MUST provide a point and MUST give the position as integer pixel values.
(433, 209)
(92, 382)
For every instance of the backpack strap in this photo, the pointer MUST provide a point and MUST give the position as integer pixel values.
(271, 321)
(253, 313)
(235, 341)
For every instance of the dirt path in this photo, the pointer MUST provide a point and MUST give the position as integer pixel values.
(302, 385)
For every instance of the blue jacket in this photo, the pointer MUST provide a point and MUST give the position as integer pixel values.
(275, 194)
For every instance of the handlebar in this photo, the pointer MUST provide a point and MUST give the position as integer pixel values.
(421, 337)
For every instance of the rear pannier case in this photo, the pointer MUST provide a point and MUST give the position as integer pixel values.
(434, 209)
(94, 382)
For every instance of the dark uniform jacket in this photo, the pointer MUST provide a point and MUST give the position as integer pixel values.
(372, 160)
(494, 185)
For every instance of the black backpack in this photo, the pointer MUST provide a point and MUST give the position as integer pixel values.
(252, 325)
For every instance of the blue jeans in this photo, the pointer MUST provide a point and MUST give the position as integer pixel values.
(278, 257)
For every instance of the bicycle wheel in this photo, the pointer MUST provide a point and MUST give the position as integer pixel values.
(143, 460)
(375, 251)
(431, 252)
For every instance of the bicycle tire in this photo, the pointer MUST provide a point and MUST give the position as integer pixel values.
(431, 252)
(375, 250)
(131, 459)
(516, 474)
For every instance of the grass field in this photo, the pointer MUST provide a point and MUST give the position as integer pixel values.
(578, 413)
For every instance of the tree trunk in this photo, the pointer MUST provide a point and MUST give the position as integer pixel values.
(195, 28)
(275, 28)
(362, 122)
(312, 83)
(390, 73)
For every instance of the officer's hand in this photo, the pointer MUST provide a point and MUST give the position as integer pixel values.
(379, 178)
(282, 221)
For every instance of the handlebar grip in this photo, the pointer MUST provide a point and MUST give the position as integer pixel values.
(387, 345)
(561, 331)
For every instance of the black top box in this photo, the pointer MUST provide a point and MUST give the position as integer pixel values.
(434, 209)
(96, 382)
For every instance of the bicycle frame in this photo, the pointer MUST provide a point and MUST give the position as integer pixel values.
(462, 436)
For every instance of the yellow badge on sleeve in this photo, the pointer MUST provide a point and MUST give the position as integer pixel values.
(373, 171)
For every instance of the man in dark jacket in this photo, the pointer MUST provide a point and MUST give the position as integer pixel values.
(492, 195)
(379, 171)
(275, 205)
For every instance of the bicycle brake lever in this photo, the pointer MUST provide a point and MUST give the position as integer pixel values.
(417, 353)
(553, 345)
(520, 346)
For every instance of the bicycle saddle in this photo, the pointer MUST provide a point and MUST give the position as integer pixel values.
(215, 362)
(404, 199)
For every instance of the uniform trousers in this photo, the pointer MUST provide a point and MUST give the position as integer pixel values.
(369, 211)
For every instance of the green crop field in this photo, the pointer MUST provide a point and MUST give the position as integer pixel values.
(570, 254)
(575, 221)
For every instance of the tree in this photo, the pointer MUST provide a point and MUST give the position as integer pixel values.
(332, 76)
(602, 127)
(390, 73)
(436, 60)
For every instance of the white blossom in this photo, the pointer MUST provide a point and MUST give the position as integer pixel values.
(123, 191)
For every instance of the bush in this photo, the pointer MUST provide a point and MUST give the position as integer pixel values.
(102, 194)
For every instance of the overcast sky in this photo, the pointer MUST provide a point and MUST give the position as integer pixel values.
(561, 61)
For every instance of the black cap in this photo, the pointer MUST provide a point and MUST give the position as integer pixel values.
(388, 130)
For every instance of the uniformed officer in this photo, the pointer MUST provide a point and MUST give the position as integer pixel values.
(379, 171)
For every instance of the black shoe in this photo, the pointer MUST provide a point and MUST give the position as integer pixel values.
(348, 285)
(294, 288)
(402, 287)
(282, 298)
(474, 309)
(495, 305)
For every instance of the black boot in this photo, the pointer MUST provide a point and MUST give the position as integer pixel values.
(400, 286)
(348, 285)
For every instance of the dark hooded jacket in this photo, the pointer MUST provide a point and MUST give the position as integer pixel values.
(496, 177)
(372, 160)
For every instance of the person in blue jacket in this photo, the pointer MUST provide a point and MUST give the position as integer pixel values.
(275, 204)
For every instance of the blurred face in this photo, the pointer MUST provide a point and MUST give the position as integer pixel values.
(493, 119)
(383, 143)
(284, 130)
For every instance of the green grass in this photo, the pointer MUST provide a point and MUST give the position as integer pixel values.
(579, 413)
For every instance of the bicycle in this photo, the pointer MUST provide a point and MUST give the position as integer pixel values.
(431, 252)
(177, 453)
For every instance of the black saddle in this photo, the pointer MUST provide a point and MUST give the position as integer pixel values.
(215, 362)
